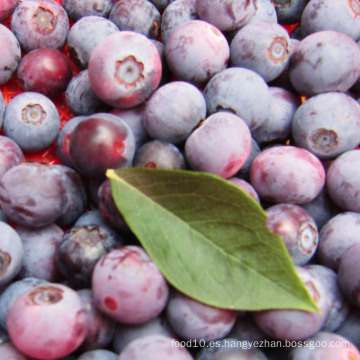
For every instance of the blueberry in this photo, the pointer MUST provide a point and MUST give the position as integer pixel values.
(40, 24)
(313, 130)
(32, 121)
(297, 229)
(40, 247)
(47, 71)
(263, 47)
(9, 351)
(10, 154)
(265, 11)
(289, 11)
(99, 354)
(243, 173)
(10, 56)
(7, 8)
(77, 9)
(336, 236)
(220, 145)
(47, 303)
(82, 39)
(159, 154)
(245, 186)
(350, 327)
(343, 179)
(196, 51)
(194, 320)
(161, 4)
(130, 72)
(238, 90)
(324, 61)
(137, 15)
(128, 286)
(226, 15)
(173, 111)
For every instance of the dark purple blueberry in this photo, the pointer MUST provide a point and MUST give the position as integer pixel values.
(10, 154)
(245, 186)
(344, 349)
(32, 121)
(63, 141)
(6, 8)
(325, 61)
(32, 194)
(196, 51)
(47, 71)
(339, 306)
(287, 174)
(77, 9)
(263, 47)
(226, 15)
(100, 328)
(173, 111)
(12, 292)
(158, 154)
(98, 354)
(327, 124)
(11, 253)
(193, 320)
(91, 217)
(130, 72)
(219, 145)
(82, 39)
(350, 327)
(76, 196)
(238, 90)
(125, 333)
(343, 180)
(316, 17)
(175, 14)
(39, 252)
(289, 11)
(291, 324)
(101, 141)
(297, 229)
(154, 347)
(79, 250)
(277, 126)
(161, 4)
(134, 118)
(128, 286)
(10, 54)
(336, 237)
(140, 16)
(40, 24)
(42, 308)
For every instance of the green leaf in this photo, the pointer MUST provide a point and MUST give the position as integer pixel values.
(209, 239)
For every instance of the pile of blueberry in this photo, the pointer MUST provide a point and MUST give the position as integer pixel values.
(216, 86)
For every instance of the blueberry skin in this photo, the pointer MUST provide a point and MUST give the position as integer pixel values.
(173, 111)
(130, 81)
(77, 9)
(40, 24)
(343, 179)
(289, 11)
(137, 15)
(32, 121)
(238, 90)
(327, 124)
(11, 253)
(175, 14)
(98, 354)
(40, 249)
(263, 47)
(245, 186)
(336, 237)
(226, 15)
(326, 351)
(297, 229)
(10, 55)
(193, 320)
(277, 126)
(350, 327)
(265, 12)
(316, 14)
(220, 145)
(196, 51)
(7, 8)
(325, 61)
(158, 154)
(287, 174)
(82, 39)
(243, 173)
(339, 305)
(10, 154)
(2, 108)
(154, 347)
